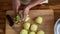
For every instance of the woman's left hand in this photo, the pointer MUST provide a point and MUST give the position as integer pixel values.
(25, 14)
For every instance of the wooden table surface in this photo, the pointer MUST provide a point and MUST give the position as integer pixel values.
(7, 5)
(2, 22)
(53, 4)
(47, 25)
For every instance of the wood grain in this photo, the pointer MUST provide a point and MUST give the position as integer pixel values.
(56, 15)
(2, 22)
(53, 4)
(47, 25)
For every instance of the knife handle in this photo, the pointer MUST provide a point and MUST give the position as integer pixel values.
(11, 23)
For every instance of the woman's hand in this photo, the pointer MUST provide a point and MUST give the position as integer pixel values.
(25, 13)
(28, 7)
(16, 5)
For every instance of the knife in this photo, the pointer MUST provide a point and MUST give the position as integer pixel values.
(11, 23)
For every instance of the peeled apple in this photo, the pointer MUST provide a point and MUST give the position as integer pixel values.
(40, 32)
(31, 32)
(34, 27)
(24, 31)
(27, 18)
(39, 20)
(18, 18)
(26, 25)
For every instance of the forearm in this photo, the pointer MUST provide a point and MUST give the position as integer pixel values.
(26, 10)
(16, 5)
(34, 3)
(28, 7)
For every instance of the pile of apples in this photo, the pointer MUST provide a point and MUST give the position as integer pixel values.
(29, 28)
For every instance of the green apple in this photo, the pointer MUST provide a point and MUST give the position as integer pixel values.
(39, 20)
(31, 32)
(26, 25)
(27, 18)
(34, 27)
(24, 31)
(41, 32)
(18, 18)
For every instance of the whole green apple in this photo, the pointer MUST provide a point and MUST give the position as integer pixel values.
(41, 32)
(24, 31)
(31, 32)
(39, 20)
(34, 27)
(26, 25)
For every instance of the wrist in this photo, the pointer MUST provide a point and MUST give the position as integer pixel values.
(27, 8)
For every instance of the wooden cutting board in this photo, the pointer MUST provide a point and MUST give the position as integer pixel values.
(47, 25)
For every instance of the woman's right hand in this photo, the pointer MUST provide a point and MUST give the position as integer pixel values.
(16, 5)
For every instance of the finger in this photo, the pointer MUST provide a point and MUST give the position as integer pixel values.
(24, 18)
